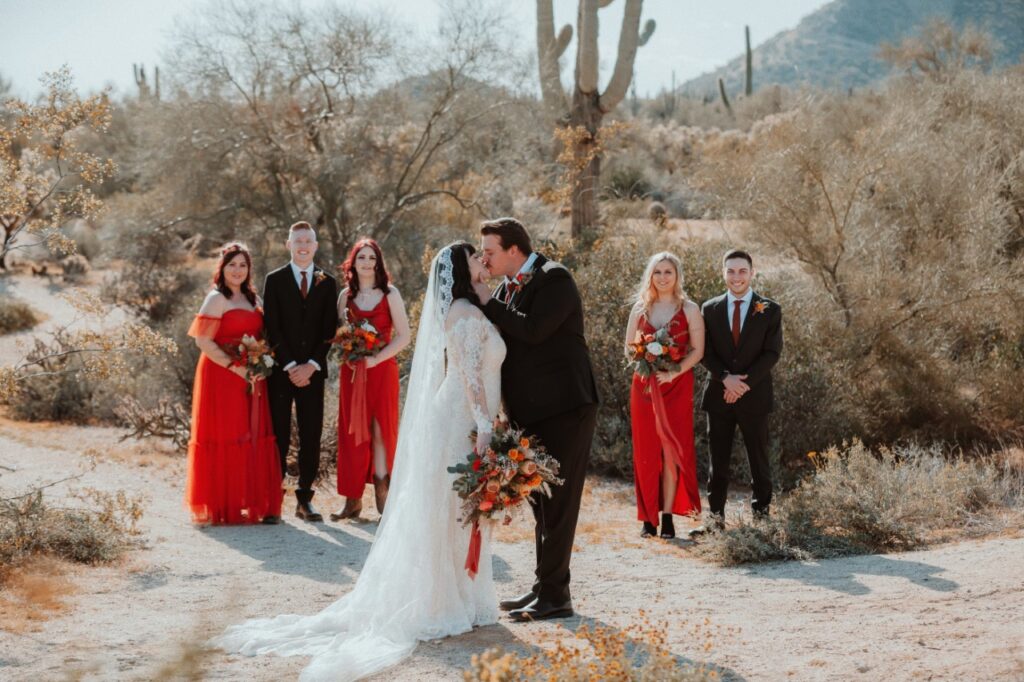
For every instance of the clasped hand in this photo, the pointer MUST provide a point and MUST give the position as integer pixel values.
(301, 375)
(735, 387)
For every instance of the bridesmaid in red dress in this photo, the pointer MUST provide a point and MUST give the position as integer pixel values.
(664, 457)
(368, 399)
(234, 475)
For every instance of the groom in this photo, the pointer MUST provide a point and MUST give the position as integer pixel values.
(743, 341)
(300, 314)
(548, 389)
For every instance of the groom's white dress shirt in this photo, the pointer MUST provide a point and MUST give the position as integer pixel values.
(527, 266)
(297, 274)
(743, 308)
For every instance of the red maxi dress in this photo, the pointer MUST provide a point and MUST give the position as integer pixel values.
(367, 396)
(234, 470)
(672, 430)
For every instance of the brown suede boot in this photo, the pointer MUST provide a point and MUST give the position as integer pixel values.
(380, 491)
(353, 505)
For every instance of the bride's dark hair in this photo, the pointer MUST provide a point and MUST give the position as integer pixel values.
(462, 285)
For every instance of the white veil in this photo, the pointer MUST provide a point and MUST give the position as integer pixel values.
(409, 576)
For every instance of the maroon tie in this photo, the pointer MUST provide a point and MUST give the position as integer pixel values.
(304, 287)
(736, 322)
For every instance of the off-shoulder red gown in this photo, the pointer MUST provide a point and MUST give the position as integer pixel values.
(234, 472)
(355, 459)
(647, 445)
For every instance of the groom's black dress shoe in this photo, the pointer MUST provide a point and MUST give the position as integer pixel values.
(542, 610)
(305, 511)
(271, 520)
(518, 603)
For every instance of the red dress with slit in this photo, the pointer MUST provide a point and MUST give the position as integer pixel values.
(234, 471)
(379, 389)
(676, 426)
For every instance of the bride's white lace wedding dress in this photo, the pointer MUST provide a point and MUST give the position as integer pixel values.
(413, 586)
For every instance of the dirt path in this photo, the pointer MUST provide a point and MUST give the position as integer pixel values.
(951, 613)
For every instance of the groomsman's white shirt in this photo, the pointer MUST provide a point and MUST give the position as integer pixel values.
(743, 308)
(296, 273)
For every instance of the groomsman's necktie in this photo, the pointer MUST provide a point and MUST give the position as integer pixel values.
(303, 287)
(736, 322)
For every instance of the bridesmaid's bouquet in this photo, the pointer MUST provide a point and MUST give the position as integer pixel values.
(653, 353)
(496, 482)
(354, 341)
(254, 355)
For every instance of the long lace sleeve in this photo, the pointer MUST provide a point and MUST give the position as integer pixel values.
(467, 338)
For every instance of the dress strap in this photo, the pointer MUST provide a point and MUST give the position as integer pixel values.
(204, 326)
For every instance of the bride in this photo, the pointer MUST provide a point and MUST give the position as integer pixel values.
(413, 586)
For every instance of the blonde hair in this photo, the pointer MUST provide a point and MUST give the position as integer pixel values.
(646, 294)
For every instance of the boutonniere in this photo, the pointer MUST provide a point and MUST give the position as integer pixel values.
(519, 281)
(760, 307)
(318, 276)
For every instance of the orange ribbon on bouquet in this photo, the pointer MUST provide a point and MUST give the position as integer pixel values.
(359, 422)
(473, 554)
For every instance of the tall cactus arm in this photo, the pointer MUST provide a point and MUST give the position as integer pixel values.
(629, 39)
(586, 48)
(605, 3)
(646, 34)
(549, 49)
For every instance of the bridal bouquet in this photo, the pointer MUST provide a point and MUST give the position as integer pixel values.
(496, 482)
(353, 341)
(653, 353)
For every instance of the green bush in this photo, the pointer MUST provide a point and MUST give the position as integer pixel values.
(16, 316)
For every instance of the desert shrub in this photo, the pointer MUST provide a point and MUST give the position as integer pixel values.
(16, 316)
(601, 652)
(166, 419)
(61, 390)
(628, 182)
(858, 501)
(75, 267)
(98, 531)
(903, 211)
(657, 214)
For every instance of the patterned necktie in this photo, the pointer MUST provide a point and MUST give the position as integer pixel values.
(736, 322)
(303, 286)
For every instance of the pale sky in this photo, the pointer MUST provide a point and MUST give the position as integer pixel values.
(100, 39)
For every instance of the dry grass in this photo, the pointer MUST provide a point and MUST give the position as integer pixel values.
(100, 530)
(861, 502)
(599, 652)
(32, 593)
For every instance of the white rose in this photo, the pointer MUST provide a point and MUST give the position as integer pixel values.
(655, 348)
(268, 361)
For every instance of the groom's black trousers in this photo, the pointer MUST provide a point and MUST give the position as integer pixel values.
(309, 415)
(721, 429)
(567, 437)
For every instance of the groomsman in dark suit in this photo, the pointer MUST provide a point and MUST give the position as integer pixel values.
(549, 390)
(743, 341)
(301, 315)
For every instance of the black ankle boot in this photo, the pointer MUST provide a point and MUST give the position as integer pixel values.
(668, 529)
(649, 530)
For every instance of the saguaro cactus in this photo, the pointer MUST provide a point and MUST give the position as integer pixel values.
(139, 71)
(586, 107)
(748, 87)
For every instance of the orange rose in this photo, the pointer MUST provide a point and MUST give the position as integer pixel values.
(485, 505)
(515, 455)
(524, 443)
(536, 480)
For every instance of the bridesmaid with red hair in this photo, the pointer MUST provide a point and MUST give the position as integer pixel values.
(661, 407)
(234, 475)
(368, 400)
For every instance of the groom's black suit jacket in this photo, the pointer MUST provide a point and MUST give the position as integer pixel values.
(547, 367)
(300, 329)
(757, 352)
